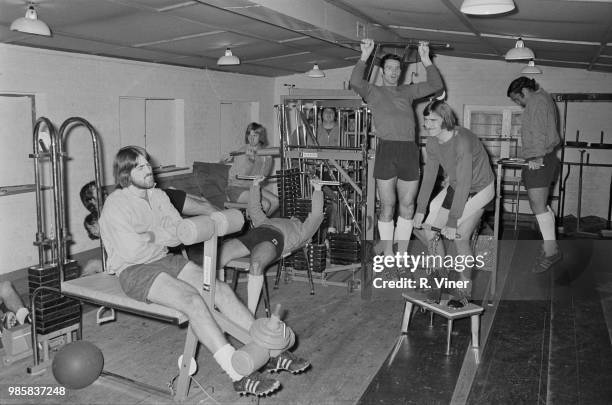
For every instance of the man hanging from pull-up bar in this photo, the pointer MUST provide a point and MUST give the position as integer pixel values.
(396, 168)
(270, 239)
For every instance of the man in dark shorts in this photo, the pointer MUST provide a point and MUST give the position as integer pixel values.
(540, 136)
(396, 168)
(270, 239)
(137, 224)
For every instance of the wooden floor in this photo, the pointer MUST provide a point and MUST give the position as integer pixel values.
(345, 337)
(544, 339)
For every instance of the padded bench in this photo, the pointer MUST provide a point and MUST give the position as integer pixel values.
(419, 299)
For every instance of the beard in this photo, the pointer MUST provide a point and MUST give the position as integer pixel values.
(144, 184)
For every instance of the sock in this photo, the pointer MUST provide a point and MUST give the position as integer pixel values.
(403, 232)
(385, 229)
(546, 222)
(223, 357)
(254, 286)
(22, 314)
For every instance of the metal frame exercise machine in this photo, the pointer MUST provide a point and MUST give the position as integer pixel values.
(566, 98)
(348, 167)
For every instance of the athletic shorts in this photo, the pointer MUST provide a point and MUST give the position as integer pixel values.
(397, 159)
(450, 195)
(177, 198)
(544, 176)
(136, 281)
(264, 233)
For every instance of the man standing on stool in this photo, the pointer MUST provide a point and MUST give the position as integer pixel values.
(397, 154)
(540, 136)
(137, 224)
(457, 209)
(270, 238)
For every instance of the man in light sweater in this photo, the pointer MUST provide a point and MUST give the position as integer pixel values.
(270, 238)
(137, 224)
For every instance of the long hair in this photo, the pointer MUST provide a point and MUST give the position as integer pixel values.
(126, 160)
(259, 130)
(449, 120)
(518, 84)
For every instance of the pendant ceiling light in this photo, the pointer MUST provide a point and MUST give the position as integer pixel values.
(531, 69)
(486, 7)
(228, 59)
(315, 72)
(30, 24)
(520, 52)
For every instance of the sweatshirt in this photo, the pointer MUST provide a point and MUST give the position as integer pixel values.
(296, 233)
(391, 106)
(465, 161)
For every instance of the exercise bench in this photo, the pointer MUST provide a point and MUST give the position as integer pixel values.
(416, 299)
(104, 289)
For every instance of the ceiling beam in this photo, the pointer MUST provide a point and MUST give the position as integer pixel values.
(338, 20)
(604, 41)
(464, 20)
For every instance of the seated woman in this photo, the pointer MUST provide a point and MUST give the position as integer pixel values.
(250, 164)
(457, 209)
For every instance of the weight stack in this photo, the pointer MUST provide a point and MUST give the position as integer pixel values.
(53, 311)
(317, 257)
(344, 248)
(289, 187)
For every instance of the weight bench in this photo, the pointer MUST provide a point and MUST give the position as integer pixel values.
(104, 289)
(418, 299)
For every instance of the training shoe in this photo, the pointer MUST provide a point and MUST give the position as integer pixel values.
(256, 384)
(544, 263)
(287, 361)
(9, 320)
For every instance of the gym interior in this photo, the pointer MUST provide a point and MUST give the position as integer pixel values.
(80, 80)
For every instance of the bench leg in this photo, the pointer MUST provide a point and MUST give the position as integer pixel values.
(475, 330)
(182, 385)
(448, 336)
(266, 297)
(407, 315)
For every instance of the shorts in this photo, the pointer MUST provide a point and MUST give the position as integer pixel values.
(544, 176)
(136, 280)
(450, 195)
(397, 159)
(177, 198)
(264, 234)
(234, 193)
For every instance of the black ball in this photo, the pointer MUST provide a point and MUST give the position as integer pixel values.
(78, 364)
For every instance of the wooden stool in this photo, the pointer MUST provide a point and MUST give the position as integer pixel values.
(244, 264)
(419, 299)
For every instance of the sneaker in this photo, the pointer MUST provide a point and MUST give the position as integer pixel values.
(287, 361)
(9, 320)
(256, 384)
(458, 303)
(544, 263)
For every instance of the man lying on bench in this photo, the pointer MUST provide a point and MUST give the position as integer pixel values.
(270, 238)
(137, 224)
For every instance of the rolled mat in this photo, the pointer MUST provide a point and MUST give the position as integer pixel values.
(195, 229)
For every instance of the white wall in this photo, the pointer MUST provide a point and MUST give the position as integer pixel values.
(485, 82)
(68, 84)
